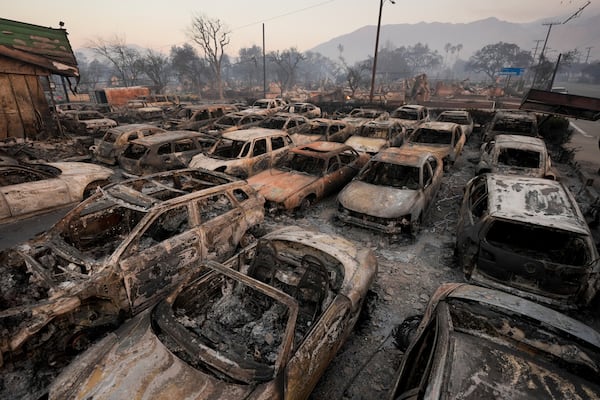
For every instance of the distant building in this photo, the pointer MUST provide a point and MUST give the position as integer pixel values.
(29, 55)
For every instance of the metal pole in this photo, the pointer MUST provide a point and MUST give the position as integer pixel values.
(264, 65)
(375, 55)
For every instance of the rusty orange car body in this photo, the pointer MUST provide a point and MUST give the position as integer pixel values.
(308, 174)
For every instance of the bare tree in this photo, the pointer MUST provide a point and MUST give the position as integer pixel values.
(357, 74)
(158, 69)
(212, 36)
(286, 63)
(125, 60)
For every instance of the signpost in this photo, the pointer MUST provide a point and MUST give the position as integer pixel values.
(512, 71)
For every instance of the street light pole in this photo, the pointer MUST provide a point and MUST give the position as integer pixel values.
(376, 48)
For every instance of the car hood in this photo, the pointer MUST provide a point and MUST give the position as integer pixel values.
(134, 363)
(99, 122)
(378, 201)
(366, 144)
(440, 150)
(211, 163)
(277, 185)
(73, 168)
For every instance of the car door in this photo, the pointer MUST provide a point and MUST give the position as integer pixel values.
(279, 146)
(183, 151)
(260, 155)
(220, 220)
(317, 349)
(27, 191)
(157, 258)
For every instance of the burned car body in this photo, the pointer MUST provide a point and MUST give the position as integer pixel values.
(283, 121)
(88, 122)
(307, 174)
(393, 192)
(245, 152)
(116, 139)
(359, 116)
(410, 116)
(234, 121)
(461, 117)
(31, 189)
(511, 123)
(265, 106)
(307, 109)
(373, 136)
(167, 151)
(112, 256)
(479, 343)
(516, 155)
(266, 332)
(318, 129)
(444, 139)
(197, 117)
(528, 237)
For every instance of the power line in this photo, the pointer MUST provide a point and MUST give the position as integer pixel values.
(284, 15)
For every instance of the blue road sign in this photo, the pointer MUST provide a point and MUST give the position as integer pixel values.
(512, 71)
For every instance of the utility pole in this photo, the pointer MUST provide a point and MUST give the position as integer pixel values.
(376, 48)
(587, 57)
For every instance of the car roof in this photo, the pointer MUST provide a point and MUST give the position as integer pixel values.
(132, 127)
(252, 133)
(411, 107)
(461, 113)
(529, 141)
(535, 201)
(150, 190)
(438, 125)
(167, 136)
(526, 308)
(402, 155)
(321, 149)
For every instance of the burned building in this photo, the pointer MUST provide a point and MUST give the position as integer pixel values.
(29, 55)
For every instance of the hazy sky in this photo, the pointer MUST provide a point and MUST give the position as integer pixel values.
(159, 24)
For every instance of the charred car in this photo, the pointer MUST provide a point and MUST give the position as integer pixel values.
(479, 343)
(167, 151)
(197, 117)
(31, 189)
(461, 117)
(264, 325)
(527, 236)
(86, 122)
(116, 139)
(516, 155)
(359, 116)
(245, 152)
(373, 136)
(445, 139)
(393, 192)
(307, 109)
(511, 123)
(319, 129)
(234, 121)
(265, 106)
(283, 121)
(112, 256)
(307, 174)
(410, 116)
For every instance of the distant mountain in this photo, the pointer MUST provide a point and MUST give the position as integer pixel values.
(359, 45)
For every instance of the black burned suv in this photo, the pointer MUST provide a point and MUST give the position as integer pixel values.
(527, 236)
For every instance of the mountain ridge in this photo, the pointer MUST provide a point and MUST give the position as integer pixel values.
(359, 44)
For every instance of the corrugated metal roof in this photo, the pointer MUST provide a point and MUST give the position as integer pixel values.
(45, 47)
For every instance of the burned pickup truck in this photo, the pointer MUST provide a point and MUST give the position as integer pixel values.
(111, 257)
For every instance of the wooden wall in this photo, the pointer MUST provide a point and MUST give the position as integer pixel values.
(23, 105)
